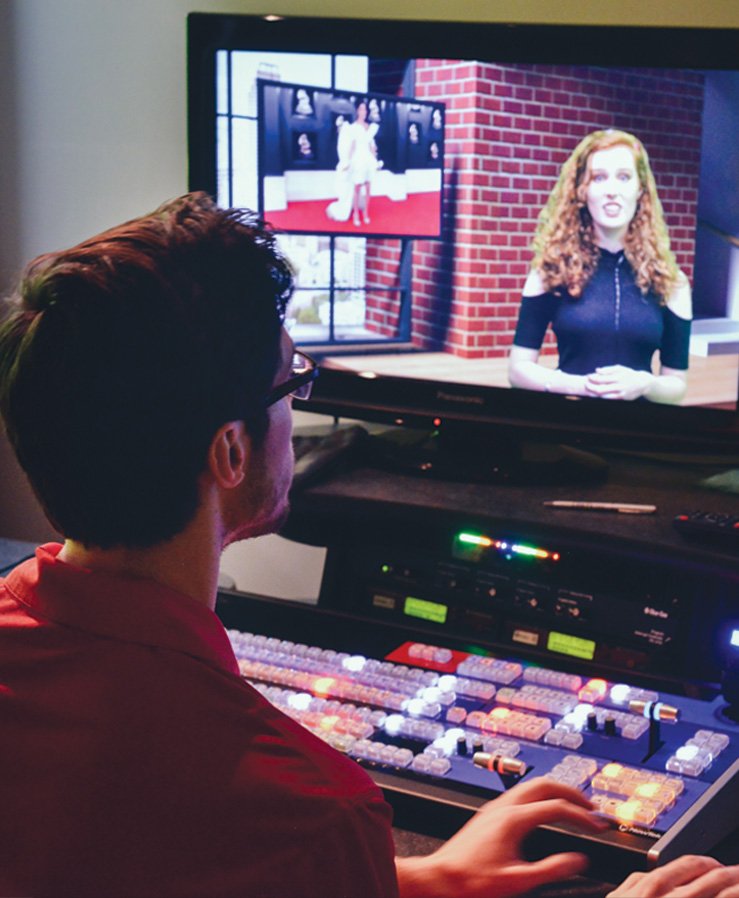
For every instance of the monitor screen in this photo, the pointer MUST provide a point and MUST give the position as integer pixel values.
(463, 256)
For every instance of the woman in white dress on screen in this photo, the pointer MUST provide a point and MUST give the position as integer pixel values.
(341, 208)
(362, 162)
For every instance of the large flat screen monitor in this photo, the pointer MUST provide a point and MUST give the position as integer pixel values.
(412, 170)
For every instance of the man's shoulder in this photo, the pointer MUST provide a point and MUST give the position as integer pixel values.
(17, 575)
(307, 794)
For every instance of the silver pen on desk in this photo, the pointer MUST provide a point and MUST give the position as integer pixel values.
(618, 507)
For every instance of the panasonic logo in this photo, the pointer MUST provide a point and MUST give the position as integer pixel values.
(655, 612)
(452, 397)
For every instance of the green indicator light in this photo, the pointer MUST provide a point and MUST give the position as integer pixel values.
(425, 610)
(571, 645)
(474, 539)
(470, 545)
(386, 569)
(529, 550)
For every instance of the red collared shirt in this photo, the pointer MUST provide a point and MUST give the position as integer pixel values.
(134, 761)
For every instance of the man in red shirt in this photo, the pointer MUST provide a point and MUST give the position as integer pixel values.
(145, 382)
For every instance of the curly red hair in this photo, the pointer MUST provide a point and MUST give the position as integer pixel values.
(565, 251)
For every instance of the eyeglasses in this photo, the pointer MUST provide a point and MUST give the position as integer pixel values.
(304, 370)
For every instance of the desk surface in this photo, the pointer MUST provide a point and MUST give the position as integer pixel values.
(369, 494)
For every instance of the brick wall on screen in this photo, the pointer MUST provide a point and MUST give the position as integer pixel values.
(382, 311)
(508, 131)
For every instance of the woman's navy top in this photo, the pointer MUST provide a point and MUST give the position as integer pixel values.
(611, 323)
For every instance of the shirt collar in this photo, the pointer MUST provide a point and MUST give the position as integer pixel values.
(125, 608)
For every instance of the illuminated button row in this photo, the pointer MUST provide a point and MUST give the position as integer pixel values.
(310, 662)
(381, 674)
(470, 688)
(341, 730)
(340, 734)
(573, 770)
(387, 685)
(316, 721)
(352, 738)
(500, 720)
(347, 728)
(624, 794)
(475, 675)
(698, 753)
(427, 763)
(392, 756)
(420, 707)
(597, 690)
(618, 779)
(552, 678)
(708, 739)
(414, 675)
(304, 701)
(433, 653)
(457, 740)
(563, 738)
(423, 700)
(633, 795)
(612, 722)
(334, 687)
(422, 730)
(393, 680)
(537, 698)
(272, 650)
(621, 694)
(567, 732)
(443, 697)
(510, 723)
(630, 811)
(492, 670)
(428, 704)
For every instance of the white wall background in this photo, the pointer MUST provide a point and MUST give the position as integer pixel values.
(93, 131)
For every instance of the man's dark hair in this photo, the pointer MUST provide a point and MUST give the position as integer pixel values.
(123, 356)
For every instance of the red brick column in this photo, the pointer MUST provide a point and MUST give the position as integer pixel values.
(509, 128)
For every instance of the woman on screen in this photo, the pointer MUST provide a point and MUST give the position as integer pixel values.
(340, 209)
(362, 162)
(605, 279)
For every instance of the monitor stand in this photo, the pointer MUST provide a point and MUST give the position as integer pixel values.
(464, 457)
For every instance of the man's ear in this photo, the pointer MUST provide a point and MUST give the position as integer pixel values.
(228, 455)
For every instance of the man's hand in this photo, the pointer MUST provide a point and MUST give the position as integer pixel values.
(691, 876)
(484, 859)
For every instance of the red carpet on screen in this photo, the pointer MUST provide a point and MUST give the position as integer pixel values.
(417, 216)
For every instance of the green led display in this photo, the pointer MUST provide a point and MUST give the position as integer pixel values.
(425, 610)
(571, 645)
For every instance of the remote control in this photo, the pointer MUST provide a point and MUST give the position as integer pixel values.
(710, 526)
